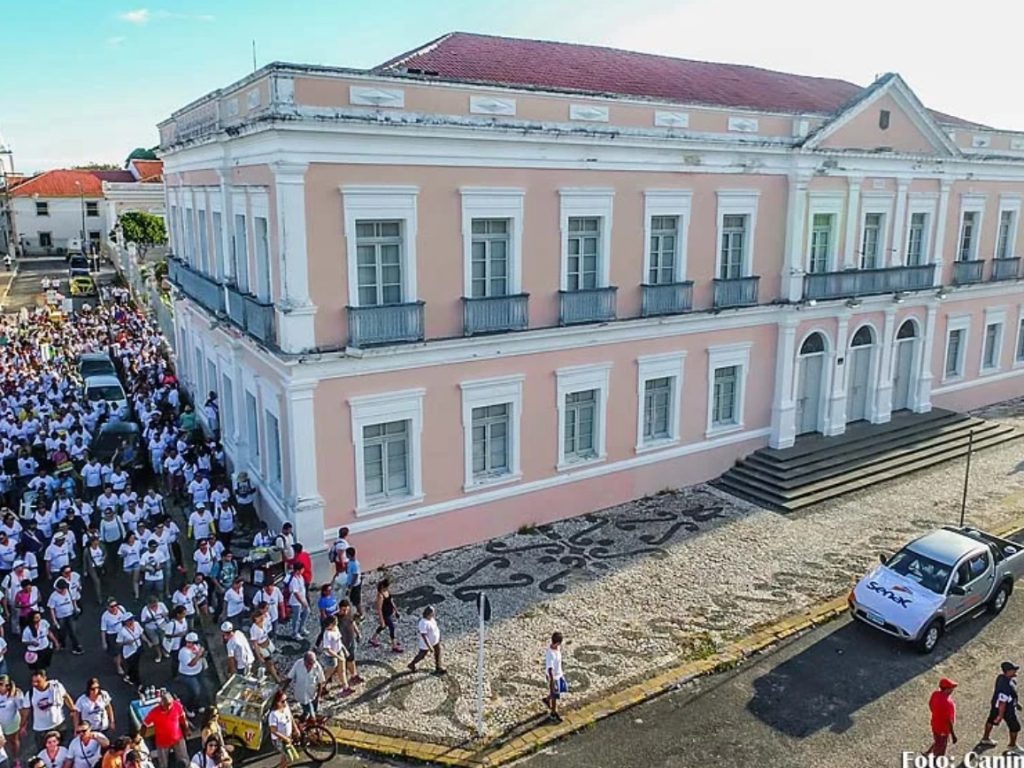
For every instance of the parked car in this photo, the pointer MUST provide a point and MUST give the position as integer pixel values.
(107, 387)
(112, 437)
(95, 364)
(941, 578)
(78, 266)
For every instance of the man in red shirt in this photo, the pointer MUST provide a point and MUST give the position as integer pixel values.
(943, 711)
(170, 729)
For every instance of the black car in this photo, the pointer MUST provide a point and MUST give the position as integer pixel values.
(119, 437)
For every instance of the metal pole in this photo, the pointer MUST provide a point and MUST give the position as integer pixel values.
(81, 191)
(967, 476)
(480, 669)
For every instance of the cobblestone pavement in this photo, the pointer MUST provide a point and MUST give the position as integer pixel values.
(641, 587)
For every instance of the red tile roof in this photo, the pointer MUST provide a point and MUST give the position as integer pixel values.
(148, 170)
(60, 183)
(587, 68)
(566, 66)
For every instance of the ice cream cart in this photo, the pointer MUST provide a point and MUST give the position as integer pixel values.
(243, 703)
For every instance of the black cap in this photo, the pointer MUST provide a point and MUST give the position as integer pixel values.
(1009, 666)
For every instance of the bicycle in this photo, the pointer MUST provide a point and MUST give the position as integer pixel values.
(314, 738)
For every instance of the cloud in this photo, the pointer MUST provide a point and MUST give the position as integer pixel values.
(114, 42)
(139, 16)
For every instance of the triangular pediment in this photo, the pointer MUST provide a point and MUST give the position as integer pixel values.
(887, 116)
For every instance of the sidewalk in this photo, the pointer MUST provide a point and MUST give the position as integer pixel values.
(640, 588)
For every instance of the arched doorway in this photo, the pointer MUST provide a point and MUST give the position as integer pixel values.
(810, 383)
(903, 369)
(862, 348)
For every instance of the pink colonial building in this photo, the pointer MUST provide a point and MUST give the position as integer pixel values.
(498, 282)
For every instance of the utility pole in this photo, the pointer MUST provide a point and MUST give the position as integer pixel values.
(967, 476)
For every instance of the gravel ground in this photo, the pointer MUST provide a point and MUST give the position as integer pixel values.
(642, 586)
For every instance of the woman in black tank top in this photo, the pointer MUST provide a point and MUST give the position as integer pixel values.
(387, 612)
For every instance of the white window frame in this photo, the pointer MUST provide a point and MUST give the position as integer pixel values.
(670, 365)
(276, 485)
(581, 202)
(738, 202)
(241, 264)
(367, 410)
(926, 204)
(226, 401)
(203, 240)
(880, 203)
(493, 203)
(481, 393)
(1018, 345)
(993, 316)
(381, 203)
(1010, 203)
(259, 208)
(968, 204)
(724, 356)
(828, 204)
(581, 378)
(255, 446)
(956, 323)
(216, 209)
(667, 202)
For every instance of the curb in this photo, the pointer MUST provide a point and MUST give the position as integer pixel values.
(498, 752)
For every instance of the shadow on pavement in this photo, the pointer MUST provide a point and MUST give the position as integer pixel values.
(825, 685)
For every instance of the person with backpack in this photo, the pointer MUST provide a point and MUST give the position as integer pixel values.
(336, 554)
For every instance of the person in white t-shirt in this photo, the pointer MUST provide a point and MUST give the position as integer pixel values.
(240, 655)
(86, 749)
(130, 640)
(152, 562)
(47, 703)
(53, 754)
(271, 596)
(234, 600)
(429, 641)
(191, 662)
(554, 676)
(204, 557)
(281, 725)
(298, 603)
(200, 523)
(333, 648)
(260, 641)
(174, 631)
(63, 609)
(153, 617)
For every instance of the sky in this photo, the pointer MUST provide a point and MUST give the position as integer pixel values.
(87, 80)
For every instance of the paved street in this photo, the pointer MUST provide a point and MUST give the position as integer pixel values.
(841, 695)
(26, 291)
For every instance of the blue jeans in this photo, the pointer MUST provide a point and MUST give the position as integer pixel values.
(299, 616)
(194, 688)
(309, 709)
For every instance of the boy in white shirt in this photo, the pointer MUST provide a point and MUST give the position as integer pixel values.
(555, 677)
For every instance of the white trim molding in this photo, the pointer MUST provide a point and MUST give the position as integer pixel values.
(376, 97)
(1018, 341)
(373, 203)
(670, 366)
(665, 119)
(491, 105)
(480, 393)
(493, 203)
(582, 378)
(724, 356)
(667, 202)
(367, 410)
(587, 201)
(827, 204)
(740, 202)
(993, 316)
(918, 202)
(956, 323)
(590, 113)
(971, 203)
(879, 203)
(1010, 203)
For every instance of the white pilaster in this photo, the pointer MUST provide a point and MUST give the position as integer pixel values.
(784, 406)
(296, 331)
(923, 396)
(227, 224)
(835, 417)
(850, 259)
(940, 225)
(793, 272)
(305, 502)
(897, 254)
(883, 394)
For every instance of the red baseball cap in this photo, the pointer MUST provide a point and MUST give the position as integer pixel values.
(946, 684)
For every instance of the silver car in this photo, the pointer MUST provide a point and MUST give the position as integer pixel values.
(936, 580)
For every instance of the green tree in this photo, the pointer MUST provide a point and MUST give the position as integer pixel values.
(144, 229)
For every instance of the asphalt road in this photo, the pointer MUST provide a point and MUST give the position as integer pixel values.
(26, 290)
(842, 695)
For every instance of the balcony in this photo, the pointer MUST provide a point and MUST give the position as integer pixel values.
(236, 306)
(385, 324)
(1006, 269)
(666, 299)
(867, 282)
(967, 272)
(736, 292)
(493, 314)
(259, 317)
(203, 290)
(591, 305)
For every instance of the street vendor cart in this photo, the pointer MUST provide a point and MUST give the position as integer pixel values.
(243, 704)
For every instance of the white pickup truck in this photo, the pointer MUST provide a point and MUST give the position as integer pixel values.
(941, 578)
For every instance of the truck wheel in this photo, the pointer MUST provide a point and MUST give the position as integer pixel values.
(998, 601)
(930, 637)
